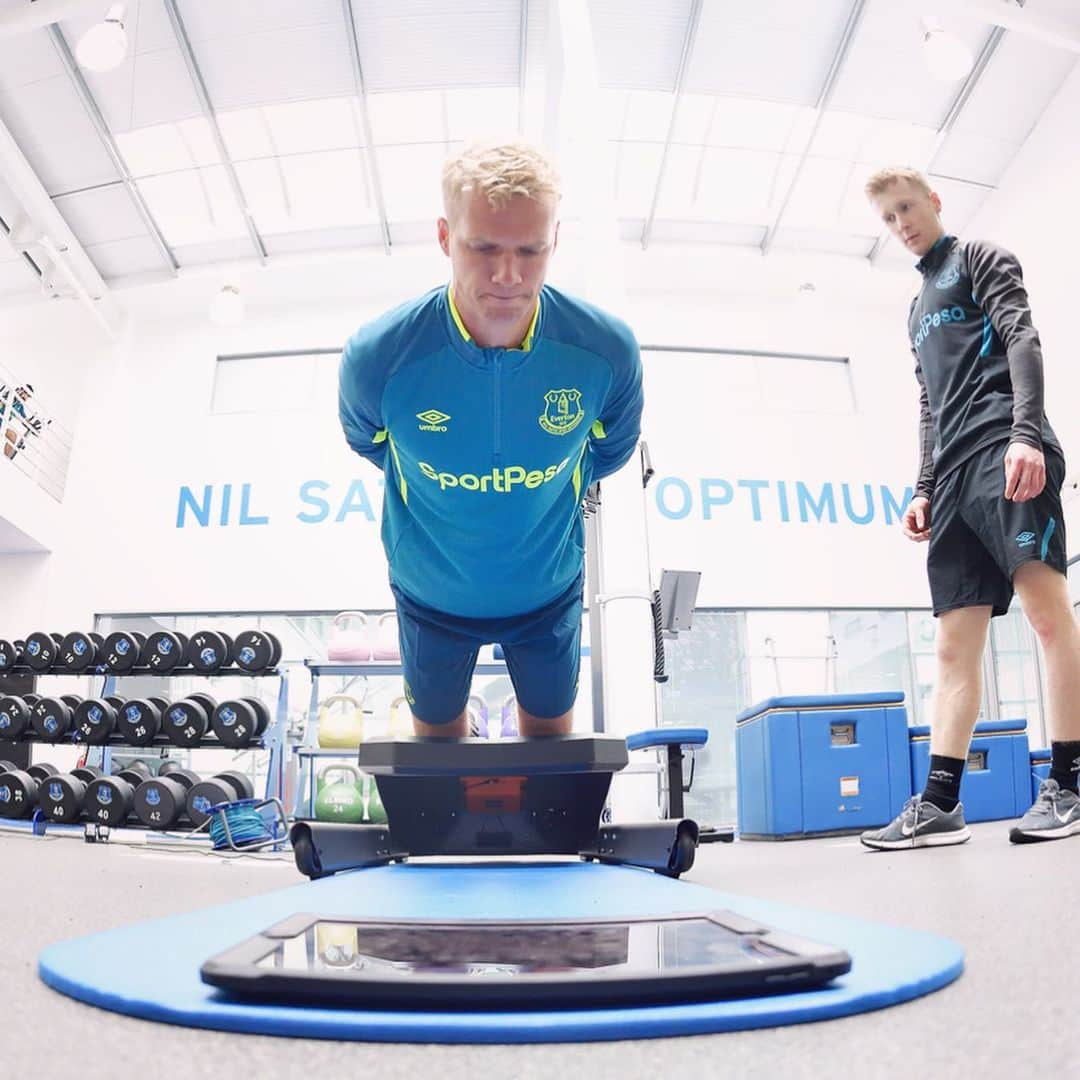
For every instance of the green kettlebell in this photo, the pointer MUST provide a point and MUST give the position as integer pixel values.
(342, 799)
(376, 812)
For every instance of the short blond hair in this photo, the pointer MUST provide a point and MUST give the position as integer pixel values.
(884, 177)
(499, 171)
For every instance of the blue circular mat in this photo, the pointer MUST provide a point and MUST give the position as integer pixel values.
(889, 966)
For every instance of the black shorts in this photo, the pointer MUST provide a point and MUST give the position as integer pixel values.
(978, 537)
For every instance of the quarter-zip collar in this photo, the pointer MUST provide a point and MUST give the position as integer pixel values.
(463, 343)
(930, 262)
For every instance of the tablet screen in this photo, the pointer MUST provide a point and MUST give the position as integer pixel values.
(637, 947)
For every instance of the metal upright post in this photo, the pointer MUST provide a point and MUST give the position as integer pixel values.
(594, 589)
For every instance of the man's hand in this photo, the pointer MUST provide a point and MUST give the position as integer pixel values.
(1025, 472)
(916, 519)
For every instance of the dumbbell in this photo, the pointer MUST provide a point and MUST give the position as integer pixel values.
(139, 720)
(187, 721)
(210, 651)
(240, 720)
(53, 717)
(79, 651)
(61, 796)
(168, 765)
(257, 650)
(6, 766)
(223, 788)
(110, 800)
(15, 715)
(95, 718)
(41, 651)
(18, 789)
(165, 650)
(162, 800)
(11, 654)
(122, 649)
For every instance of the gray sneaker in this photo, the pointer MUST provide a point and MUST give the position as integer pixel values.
(1053, 815)
(920, 824)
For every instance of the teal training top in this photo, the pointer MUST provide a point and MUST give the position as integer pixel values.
(488, 452)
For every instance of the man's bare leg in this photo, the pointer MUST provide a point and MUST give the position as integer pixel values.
(957, 693)
(532, 726)
(458, 728)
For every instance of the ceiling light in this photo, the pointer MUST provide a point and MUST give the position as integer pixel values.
(945, 55)
(227, 307)
(104, 46)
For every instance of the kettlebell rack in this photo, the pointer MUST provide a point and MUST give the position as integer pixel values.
(309, 750)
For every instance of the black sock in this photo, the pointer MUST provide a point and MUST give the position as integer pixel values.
(1065, 764)
(943, 782)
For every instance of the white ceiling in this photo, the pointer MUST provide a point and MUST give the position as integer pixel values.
(724, 124)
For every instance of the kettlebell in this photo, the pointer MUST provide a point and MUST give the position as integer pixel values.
(509, 718)
(342, 799)
(386, 638)
(400, 724)
(478, 717)
(343, 728)
(349, 643)
(376, 812)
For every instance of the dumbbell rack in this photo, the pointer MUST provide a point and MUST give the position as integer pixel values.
(100, 754)
(310, 749)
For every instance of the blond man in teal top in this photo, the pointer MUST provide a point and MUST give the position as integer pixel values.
(491, 404)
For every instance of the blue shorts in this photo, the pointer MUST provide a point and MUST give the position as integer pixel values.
(543, 655)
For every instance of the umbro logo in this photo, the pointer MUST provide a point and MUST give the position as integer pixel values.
(949, 278)
(432, 420)
(1025, 539)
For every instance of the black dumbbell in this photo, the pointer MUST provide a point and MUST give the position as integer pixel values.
(257, 650)
(79, 651)
(210, 651)
(187, 721)
(95, 718)
(18, 789)
(165, 650)
(168, 765)
(6, 766)
(226, 787)
(110, 800)
(15, 715)
(162, 800)
(41, 651)
(61, 796)
(238, 721)
(53, 717)
(139, 720)
(122, 650)
(11, 654)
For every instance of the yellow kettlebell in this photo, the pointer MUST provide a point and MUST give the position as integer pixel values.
(341, 722)
(400, 725)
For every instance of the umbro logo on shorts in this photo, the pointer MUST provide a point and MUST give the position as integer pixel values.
(1025, 539)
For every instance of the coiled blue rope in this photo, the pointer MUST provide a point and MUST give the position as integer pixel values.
(246, 826)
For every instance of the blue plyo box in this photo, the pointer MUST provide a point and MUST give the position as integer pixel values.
(997, 780)
(835, 763)
(1040, 770)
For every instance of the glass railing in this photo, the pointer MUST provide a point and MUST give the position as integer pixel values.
(32, 438)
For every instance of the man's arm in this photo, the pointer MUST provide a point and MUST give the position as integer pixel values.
(360, 402)
(924, 485)
(616, 431)
(997, 285)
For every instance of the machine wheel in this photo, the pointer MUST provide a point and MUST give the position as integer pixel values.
(307, 861)
(682, 856)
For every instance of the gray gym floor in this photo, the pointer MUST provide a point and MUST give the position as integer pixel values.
(1012, 1013)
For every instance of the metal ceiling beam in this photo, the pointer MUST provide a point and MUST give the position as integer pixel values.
(365, 116)
(523, 49)
(215, 130)
(822, 103)
(111, 148)
(52, 250)
(993, 39)
(684, 62)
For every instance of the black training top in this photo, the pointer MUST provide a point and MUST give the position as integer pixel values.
(977, 357)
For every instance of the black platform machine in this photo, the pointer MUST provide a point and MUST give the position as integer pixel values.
(541, 796)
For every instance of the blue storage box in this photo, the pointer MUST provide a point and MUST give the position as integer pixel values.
(833, 763)
(997, 780)
(1040, 770)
